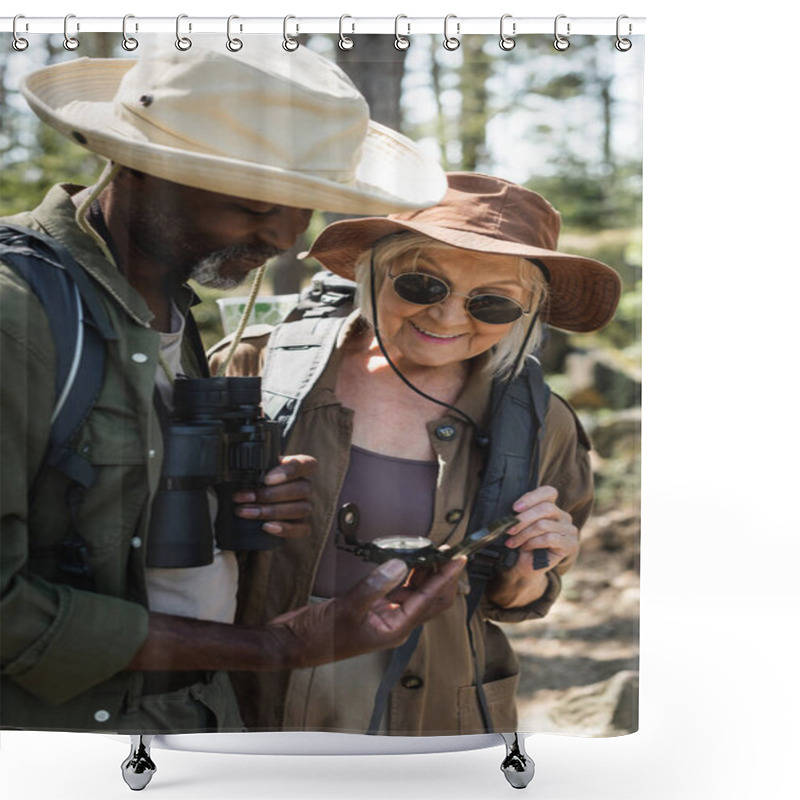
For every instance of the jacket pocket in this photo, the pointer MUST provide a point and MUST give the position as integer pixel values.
(501, 701)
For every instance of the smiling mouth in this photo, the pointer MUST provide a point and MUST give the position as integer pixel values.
(432, 335)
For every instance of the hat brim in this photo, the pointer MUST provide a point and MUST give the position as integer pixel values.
(77, 100)
(583, 293)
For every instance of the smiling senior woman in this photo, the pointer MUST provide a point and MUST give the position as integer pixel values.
(450, 302)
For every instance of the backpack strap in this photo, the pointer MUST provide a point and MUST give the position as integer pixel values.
(297, 354)
(80, 327)
(512, 468)
(329, 295)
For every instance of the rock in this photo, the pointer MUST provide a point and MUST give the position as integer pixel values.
(616, 434)
(598, 381)
(607, 708)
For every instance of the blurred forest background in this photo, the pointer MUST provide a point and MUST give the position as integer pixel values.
(567, 125)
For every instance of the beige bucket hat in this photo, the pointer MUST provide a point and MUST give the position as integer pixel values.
(266, 125)
(491, 215)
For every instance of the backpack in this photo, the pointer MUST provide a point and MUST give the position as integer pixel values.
(80, 328)
(297, 355)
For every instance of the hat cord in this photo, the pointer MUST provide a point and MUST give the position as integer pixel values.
(82, 212)
(237, 336)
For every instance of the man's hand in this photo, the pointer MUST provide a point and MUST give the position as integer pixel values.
(378, 613)
(284, 502)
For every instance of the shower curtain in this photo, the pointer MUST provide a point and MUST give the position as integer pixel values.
(564, 121)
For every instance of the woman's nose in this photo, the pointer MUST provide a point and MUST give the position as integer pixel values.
(452, 309)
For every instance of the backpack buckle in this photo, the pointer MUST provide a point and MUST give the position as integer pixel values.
(73, 559)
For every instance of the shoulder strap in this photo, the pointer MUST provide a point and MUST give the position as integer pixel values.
(79, 325)
(300, 347)
(512, 466)
(296, 357)
(329, 295)
(515, 436)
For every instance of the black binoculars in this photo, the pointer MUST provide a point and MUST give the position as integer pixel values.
(217, 442)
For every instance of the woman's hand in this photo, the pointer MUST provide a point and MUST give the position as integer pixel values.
(542, 526)
(284, 501)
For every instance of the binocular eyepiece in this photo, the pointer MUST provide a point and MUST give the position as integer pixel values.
(217, 442)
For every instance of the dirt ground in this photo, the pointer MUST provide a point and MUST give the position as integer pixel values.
(580, 664)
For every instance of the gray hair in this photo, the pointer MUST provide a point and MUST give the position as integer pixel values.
(410, 246)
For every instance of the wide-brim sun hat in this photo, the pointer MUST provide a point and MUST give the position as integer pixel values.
(490, 215)
(267, 125)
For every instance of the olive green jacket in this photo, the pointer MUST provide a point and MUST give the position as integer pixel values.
(62, 650)
(437, 694)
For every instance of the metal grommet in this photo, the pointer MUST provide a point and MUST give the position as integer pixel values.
(561, 43)
(507, 42)
(401, 42)
(233, 44)
(128, 42)
(182, 42)
(446, 433)
(290, 44)
(451, 42)
(345, 42)
(623, 45)
(70, 42)
(19, 44)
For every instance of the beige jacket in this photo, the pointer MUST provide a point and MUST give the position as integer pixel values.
(436, 695)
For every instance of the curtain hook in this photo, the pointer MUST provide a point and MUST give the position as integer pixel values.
(290, 44)
(401, 42)
(561, 43)
(623, 45)
(128, 42)
(234, 45)
(182, 42)
(451, 42)
(70, 42)
(19, 44)
(345, 42)
(507, 42)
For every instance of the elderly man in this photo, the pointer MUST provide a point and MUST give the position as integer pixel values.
(214, 163)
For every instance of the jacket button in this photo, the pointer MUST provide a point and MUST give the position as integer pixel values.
(454, 515)
(446, 433)
(411, 682)
(139, 358)
(136, 542)
(101, 715)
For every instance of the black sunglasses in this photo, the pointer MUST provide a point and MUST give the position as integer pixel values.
(422, 289)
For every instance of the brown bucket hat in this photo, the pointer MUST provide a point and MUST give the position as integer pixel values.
(490, 215)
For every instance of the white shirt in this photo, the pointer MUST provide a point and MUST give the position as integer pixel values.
(208, 592)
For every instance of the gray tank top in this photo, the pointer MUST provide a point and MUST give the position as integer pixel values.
(395, 497)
